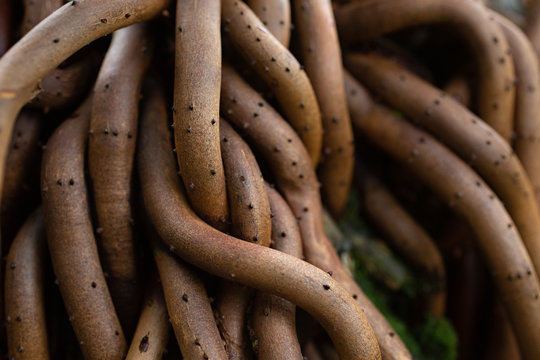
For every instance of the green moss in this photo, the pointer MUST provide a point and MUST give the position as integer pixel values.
(426, 337)
(437, 338)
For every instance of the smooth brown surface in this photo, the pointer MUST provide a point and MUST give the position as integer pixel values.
(472, 21)
(279, 69)
(111, 151)
(275, 16)
(250, 221)
(250, 207)
(21, 183)
(408, 237)
(152, 333)
(467, 194)
(475, 141)
(273, 318)
(65, 85)
(458, 88)
(72, 245)
(197, 81)
(24, 294)
(468, 284)
(527, 113)
(219, 254)
(321, 53)
(189, 308)
(532, 28)
(297, 182)
(37, 10)
(50, 43)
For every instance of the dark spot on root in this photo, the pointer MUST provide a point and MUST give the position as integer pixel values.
(94, 285)
(12, 266)
(18, 318)
(103, 21)
(192, 186)
(144, 345)
(191, 107)
(127, 16)
(71, 182)
(59, 182)
(283, 234)
(330, 273)
(326, 287)
(391, 333)
(20, 349)
(185, 297)
(115, 132)
(56, 40)
(213, 172)
(250, 206)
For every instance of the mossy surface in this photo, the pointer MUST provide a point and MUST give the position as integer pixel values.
(427, 337)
